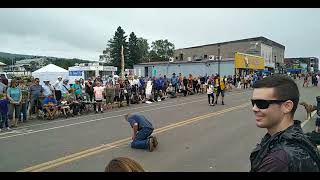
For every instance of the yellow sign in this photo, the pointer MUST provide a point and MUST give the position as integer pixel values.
(247, 61)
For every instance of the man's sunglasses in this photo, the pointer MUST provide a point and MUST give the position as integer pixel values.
(264, 104)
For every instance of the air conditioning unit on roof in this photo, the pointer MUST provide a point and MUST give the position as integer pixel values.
(211, 57)
(171, 59)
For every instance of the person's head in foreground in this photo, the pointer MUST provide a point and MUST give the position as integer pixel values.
(275, 100)
(123, 164)
(285, 148)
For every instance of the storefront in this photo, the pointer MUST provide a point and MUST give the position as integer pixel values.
(246, 64)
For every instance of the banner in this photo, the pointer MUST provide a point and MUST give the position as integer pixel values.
(247, 61)
(75, 73)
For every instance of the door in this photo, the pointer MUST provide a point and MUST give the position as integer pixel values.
(146, 71)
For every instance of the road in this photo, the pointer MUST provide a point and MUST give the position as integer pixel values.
(192, 137)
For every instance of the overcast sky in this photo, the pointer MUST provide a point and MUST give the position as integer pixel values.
(83, 33)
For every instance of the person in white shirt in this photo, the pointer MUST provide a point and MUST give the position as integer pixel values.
(98, 94)
(57, 87)
(65, 88)
(47, 88)
(210, 92)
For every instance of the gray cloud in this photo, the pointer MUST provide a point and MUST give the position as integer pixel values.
(83, 33)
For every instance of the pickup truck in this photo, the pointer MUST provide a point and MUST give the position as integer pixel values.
(8, 76)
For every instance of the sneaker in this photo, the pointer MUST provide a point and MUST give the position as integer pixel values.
(0, 130)
(222, 103)
(151, 145)
(216, 102)
(8, 129)
(96, 112)
(102, 112)
(155, 141)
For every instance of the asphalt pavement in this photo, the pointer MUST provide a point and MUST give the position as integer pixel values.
(192, 137)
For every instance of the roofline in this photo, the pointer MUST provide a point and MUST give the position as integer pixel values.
(183, 62)
(240, 40)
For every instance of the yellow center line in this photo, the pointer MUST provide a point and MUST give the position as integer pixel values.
(104, 147)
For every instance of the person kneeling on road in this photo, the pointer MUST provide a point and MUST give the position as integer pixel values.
(142, 130)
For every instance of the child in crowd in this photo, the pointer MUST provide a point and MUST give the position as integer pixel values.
(4, 102)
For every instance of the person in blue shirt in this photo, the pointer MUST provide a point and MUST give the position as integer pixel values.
(142, 130)
(14, 96)
(77, 88)
(174, 82)
(161, 83)
(50, 106)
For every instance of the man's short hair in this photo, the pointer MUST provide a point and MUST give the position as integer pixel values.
(284, 89)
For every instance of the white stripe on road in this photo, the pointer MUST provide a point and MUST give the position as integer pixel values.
(95, 120)
(70, 119)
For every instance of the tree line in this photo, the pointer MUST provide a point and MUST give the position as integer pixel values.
(136, 50)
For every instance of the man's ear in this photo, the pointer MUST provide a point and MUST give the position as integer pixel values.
(287, 106)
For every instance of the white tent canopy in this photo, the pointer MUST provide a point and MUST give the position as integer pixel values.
(50, 72)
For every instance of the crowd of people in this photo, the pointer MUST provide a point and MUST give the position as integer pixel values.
(274, 110)
(22, 100)
(25, 99)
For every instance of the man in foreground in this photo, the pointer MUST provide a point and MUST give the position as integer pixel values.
(284, 148)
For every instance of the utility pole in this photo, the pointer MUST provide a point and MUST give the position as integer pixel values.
(219, 59)
(122, 63)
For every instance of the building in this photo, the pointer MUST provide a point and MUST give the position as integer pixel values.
(23, 67)
(2, 65)
(196, 68)
(226, 58)
(271, 51)
(302, 64)
(241, 64)
(90, 70)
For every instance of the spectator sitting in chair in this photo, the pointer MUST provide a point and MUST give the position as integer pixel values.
(50, 106)
(65, 108)
(171, 91)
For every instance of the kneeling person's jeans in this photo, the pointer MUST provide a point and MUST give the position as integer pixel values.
(142, 139)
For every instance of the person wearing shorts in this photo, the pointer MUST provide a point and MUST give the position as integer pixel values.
(220, 84)
(98, 94)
